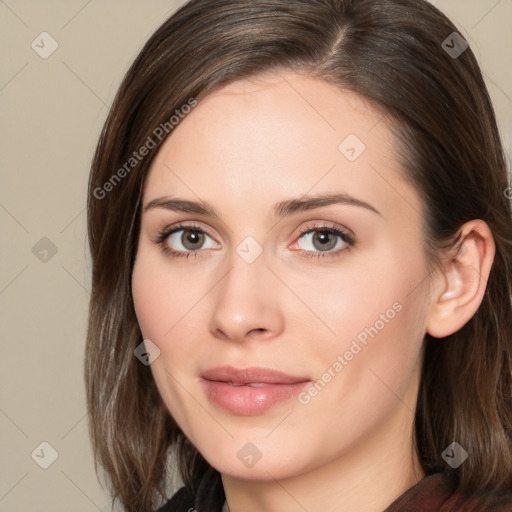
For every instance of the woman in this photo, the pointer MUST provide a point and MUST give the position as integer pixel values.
(300, 240)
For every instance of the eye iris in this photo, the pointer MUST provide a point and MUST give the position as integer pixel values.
(192, 239)
(326, 239)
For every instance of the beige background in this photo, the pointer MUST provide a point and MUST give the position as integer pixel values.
(52, 112)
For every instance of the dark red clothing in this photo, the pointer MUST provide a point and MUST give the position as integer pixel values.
(434, 493)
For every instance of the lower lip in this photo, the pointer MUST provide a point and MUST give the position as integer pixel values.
(248, 400)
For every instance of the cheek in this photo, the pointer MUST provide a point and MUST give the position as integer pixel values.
(370, 368)
(162, 296)
(373, 316)
(347, 302)
(161, 304)
(148, 299)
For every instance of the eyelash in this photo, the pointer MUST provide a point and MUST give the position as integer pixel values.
(348, 239)
(167, 232)
(345, 237)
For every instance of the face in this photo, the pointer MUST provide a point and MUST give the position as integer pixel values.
(280, 272)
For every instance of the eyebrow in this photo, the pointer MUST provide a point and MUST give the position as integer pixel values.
(281, 209)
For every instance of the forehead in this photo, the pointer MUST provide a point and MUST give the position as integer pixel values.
(276, 136)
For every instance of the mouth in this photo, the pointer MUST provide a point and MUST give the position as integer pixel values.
(250, 391)
(252, 384)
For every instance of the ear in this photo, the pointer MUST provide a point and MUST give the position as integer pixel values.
(460, 285)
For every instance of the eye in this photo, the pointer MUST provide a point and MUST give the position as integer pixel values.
(185, 241)
(189, 240)
(323, 239)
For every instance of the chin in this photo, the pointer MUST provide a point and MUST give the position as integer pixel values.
(246, 461)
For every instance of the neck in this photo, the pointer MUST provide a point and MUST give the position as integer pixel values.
(367, 479)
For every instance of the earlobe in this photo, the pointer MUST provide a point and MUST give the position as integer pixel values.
(462, 281)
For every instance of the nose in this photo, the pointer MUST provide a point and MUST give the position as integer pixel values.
(243, 305)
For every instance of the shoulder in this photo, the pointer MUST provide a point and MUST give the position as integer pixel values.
(485, 502)
(437, 493)
(434, 493)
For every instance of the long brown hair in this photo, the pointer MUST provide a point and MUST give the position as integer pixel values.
(394, 54)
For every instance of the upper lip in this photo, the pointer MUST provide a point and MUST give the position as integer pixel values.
(253, 374)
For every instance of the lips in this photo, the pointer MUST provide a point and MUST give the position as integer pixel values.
(252, 384)
(250, 391)
(253, 375)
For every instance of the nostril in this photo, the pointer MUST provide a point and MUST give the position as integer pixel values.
(259, 329)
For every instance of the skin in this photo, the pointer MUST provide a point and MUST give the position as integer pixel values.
(243, 149)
